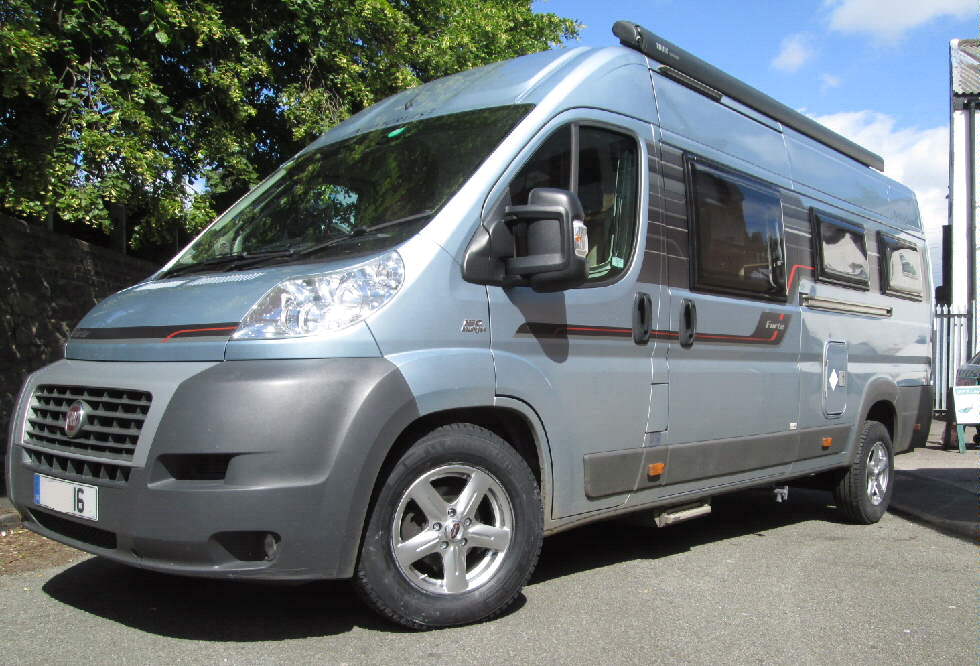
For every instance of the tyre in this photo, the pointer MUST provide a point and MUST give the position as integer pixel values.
(863, 492)
(454, 533)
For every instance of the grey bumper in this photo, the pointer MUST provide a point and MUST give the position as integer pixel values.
(243, 451)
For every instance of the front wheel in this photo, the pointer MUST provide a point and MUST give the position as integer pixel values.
(864, 491)
(455, 531)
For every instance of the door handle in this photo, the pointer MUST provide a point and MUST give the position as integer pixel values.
(689, 323)
(642, 318)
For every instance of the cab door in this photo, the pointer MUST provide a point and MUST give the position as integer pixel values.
(574, 355)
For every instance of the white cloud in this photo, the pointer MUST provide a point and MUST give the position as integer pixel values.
(917, 158)
(828, 81)
(889, 20)
(794, 52)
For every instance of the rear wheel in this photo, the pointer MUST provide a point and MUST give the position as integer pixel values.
(455, 531)
(864, 491)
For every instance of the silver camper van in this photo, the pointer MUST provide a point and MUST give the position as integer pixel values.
(548, 291)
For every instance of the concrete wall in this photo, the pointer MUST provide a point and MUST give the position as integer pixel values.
(47, 283)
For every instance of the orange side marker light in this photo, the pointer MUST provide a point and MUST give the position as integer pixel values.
(827, 442)
(656, 469)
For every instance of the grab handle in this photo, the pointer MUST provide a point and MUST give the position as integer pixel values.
(642, 318)
(689, 323)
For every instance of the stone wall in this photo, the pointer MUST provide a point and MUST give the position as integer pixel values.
(48, 282)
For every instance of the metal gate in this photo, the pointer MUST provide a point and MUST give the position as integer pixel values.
(949, 351)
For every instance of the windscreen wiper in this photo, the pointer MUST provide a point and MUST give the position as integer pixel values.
(228, 262)
(362, 233)
(400, 220)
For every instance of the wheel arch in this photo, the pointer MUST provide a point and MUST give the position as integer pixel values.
(878, 404)
(884, 413)
(507, 423)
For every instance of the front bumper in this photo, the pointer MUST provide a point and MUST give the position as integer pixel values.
(232, 456)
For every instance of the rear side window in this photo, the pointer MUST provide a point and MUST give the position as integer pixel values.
(738, 237)
(901, 267)
(604, 173)
(841, 250)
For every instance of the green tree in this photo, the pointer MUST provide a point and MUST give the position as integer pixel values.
(170, 109)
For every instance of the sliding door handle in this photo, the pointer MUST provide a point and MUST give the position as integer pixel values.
(689, 323)
(642, 318)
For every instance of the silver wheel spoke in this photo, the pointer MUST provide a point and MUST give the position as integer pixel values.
(431, 502)
(413, 550)
(454, 568)
(488, 536)
(880, 463)
(474, 492)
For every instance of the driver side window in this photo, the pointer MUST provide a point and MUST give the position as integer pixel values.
(604, 174)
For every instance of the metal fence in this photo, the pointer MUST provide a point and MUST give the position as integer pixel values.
(949, 351)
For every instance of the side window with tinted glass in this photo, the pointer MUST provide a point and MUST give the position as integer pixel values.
(842, 255)
(738, 233)
(901, 267)
(606, 174)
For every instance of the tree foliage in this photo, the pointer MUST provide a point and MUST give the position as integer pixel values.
(172, 108)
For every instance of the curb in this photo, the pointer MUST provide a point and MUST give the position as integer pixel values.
(9, 516)
(936, 504)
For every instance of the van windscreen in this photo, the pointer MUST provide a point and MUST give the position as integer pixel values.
(358, 196)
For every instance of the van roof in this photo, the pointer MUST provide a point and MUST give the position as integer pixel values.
(507, 82)
(553, 79)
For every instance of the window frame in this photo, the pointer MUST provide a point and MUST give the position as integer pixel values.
(573, 126)
(819, 217)
(693, 161)
(886, 244)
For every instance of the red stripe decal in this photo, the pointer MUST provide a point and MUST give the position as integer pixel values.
(199, 330)
(792, 276)
(598, 329)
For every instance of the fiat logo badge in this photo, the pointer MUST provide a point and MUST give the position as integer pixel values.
(75, 418)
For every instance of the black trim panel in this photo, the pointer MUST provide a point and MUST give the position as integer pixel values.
(224, 329)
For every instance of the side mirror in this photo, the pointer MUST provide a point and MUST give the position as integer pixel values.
(542, 244)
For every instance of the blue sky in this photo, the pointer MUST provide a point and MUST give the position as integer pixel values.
(875, 70)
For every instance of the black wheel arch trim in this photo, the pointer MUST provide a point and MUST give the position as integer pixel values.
(879, 389)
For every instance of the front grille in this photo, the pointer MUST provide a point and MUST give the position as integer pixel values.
(111, 428)
(86, 470)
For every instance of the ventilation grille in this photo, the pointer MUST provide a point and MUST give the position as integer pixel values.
(110, 429)
(84, 469)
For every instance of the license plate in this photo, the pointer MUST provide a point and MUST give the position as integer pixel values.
(75, 499)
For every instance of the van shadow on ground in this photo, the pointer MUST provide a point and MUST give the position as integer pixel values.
(636, 537)
(941, 498)
(212, 610)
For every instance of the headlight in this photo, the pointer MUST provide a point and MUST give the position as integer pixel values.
(321, 303)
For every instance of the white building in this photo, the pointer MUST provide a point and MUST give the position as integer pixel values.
(958, 278)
